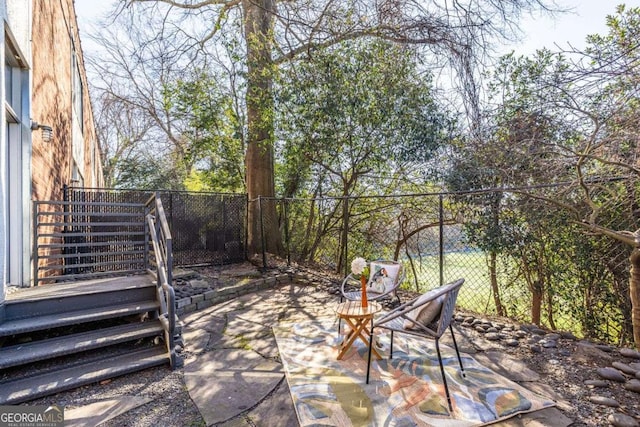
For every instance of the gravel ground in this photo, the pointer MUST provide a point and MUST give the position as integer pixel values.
(171, 404)
(565, 371)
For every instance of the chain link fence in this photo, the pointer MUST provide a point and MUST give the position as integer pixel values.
(520, 258)
(207, 228)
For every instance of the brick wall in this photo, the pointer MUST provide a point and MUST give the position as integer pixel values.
(55, 38)
(55, 35)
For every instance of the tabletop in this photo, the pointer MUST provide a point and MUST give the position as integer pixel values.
(355, 309)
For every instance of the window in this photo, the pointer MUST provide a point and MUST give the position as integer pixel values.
(76, 176)
(12, 89)
(77, 138)
(77, 91)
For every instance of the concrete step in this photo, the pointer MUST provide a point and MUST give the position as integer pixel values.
(50, 321)
(21, 354)
(57, 380)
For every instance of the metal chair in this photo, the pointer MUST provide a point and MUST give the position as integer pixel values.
(406, 319)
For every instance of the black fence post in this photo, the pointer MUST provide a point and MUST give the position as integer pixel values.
(35, 243)
(155, 204)
(245, 238)
(65, 218)
(171, 225)
(264, 249)
(441, 239)
(286, 230)
(345, 234)
(224, 230)
(66, 250)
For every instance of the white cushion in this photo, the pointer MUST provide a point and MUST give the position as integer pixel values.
(388, 272)
(426, 312)
(376, 286)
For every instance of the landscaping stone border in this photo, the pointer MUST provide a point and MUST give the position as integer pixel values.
(216, 296)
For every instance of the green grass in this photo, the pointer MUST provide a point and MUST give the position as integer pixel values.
(475, 295)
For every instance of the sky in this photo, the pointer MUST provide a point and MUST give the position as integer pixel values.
(588, 17)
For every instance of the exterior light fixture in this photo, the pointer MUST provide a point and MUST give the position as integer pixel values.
(47, 131)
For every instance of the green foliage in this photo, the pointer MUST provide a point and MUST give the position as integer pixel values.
(355, 109)
(357, 118)
(145, 174)
(212, 142)
(562, 117)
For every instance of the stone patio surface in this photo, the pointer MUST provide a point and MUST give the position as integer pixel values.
(235, 377)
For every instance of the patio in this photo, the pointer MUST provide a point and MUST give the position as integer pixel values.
(233, 374)
(239, 333)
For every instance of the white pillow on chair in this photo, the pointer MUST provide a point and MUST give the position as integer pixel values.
(376, 286)
(388, 271)
(425, 314)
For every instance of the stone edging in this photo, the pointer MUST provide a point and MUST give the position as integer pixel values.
(216, 296)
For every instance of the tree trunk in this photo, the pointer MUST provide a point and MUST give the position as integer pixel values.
(634, 293)
(495, 223)
(259, 159)
(550, 318)
(304, 253)
(494, 283)
(536, 305)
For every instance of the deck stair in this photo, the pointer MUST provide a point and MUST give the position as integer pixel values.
(59, 337)
(102, 304)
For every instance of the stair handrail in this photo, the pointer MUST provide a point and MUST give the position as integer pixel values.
(161, 241)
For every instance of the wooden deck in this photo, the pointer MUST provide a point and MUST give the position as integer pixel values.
(85, 287)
